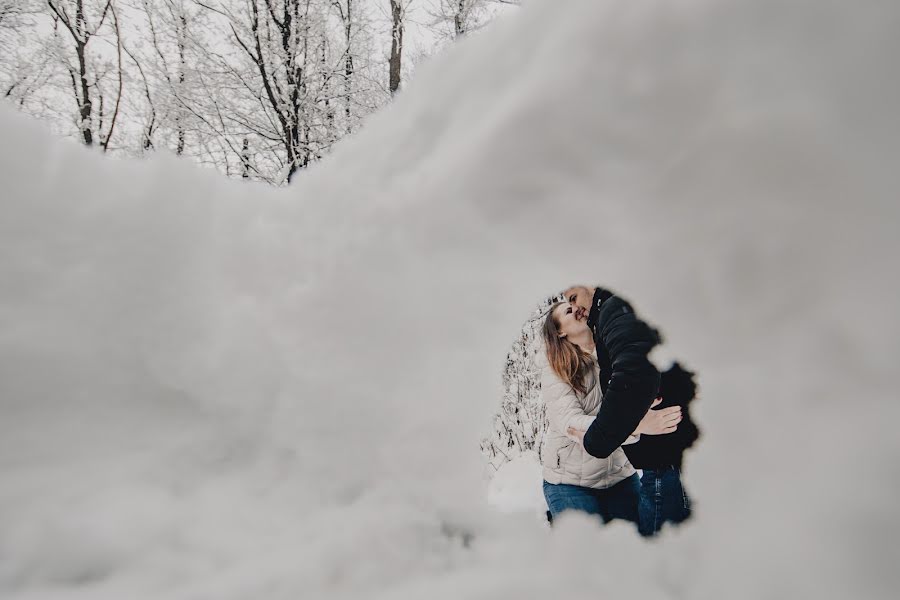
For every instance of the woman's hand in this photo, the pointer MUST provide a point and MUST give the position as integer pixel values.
(659, 422)
(576, 434)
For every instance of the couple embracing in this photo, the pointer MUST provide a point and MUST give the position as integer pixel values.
(610, 412)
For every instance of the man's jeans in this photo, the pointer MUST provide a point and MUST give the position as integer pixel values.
(663, 500)
(617, 502)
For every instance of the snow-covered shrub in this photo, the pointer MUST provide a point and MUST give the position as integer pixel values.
(520, 423)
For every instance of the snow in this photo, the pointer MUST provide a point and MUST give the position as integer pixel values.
(516, 486)
(212, 389)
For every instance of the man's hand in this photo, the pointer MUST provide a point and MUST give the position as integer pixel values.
(659, 422)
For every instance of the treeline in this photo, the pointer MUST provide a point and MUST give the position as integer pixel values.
(257, 88)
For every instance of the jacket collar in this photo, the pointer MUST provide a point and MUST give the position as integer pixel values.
(600, 296)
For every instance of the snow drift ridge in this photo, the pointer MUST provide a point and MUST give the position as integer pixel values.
(212, 389)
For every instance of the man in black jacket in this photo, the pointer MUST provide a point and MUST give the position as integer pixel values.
(629, 381)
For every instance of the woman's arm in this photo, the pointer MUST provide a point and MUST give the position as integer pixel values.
(564, 409)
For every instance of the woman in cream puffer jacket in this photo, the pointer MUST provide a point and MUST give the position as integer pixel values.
(564, 459)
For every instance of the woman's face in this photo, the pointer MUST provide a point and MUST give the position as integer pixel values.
(570, 320)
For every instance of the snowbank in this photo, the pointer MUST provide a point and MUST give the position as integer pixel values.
(516, 486)
(215, 390)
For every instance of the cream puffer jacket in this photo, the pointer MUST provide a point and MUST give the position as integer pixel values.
(564, 459)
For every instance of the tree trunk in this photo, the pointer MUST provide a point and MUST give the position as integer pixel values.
(396, 45)
(80, 46)
(348, 66)
(329, 111)
(245, 159)
(179, 120)
(459, 20)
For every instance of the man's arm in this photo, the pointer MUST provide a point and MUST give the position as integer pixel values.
(660, 421)
(633, 381)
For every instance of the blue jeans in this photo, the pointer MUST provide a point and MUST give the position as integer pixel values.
(617, 502)
(663, 500)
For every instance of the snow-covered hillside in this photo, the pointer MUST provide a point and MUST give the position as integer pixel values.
(216, 390)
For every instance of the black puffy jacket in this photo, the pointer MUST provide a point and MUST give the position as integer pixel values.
(677, 388)
(623, 342)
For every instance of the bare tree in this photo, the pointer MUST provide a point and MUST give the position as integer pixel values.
(150, 116)
(345, 12)
(456, 18)
(115, 116)
(168, 31)
(461, 13)
(72, 14)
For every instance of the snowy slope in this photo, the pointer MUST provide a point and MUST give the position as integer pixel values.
(216, 390)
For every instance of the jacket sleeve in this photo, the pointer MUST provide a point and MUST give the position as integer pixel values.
(633, 379)
(585, 425)
(564, 409)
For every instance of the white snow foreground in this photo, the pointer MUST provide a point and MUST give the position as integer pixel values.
(216, 390)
